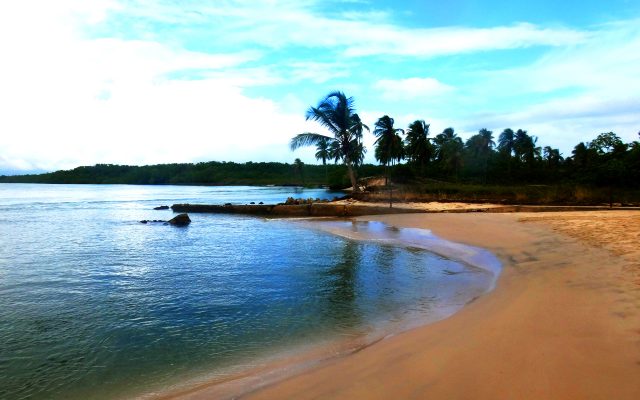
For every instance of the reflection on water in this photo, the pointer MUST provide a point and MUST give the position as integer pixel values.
(95, 305)
(342, 284)
(413, 239)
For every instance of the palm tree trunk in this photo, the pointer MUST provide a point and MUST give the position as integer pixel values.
(386, 175)
(352, 177)
(388, 182)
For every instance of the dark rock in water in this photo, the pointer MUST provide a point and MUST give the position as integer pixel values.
(253, 202)
(227, 204)
(180, 220)
(261, 203)
(161, 208)
(144, 221)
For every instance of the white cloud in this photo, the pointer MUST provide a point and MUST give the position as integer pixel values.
(67, 100)
(563, 123)
(411, 88)
(390, 40)
(576, 92)
(76, 89)
(607, 62)
(316, 72)
(278, 24)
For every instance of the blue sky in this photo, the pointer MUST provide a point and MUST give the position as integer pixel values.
(140, 82)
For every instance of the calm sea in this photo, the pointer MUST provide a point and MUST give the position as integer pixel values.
(94, 304)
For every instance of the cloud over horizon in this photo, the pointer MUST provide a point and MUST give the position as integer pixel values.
(135, 82)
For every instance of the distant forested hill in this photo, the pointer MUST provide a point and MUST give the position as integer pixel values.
(205, 173)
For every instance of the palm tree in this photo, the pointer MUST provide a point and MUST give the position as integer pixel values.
(388, 143)
(449, 151)
(487, 135)
(388, 146)
(323, 152)
(506, 142)
(552, 157)
(298, 166)
(480, 147)
(524, 147)
(418, 147)
(481, 144)
(358, 154)
(581, 156)
(337, 114)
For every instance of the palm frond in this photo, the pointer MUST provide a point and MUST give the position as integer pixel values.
(307, 139)
(324, 118)
(334, 112)
(356, 127)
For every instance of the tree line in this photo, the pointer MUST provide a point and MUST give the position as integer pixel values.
(203, 173)
(510, 157)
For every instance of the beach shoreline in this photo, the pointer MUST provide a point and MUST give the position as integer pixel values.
(562, 322)
(283, 363)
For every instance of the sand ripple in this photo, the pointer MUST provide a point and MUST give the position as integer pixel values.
(616, 231)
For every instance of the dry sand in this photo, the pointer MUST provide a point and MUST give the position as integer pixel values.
(423, 206)
(563, 322)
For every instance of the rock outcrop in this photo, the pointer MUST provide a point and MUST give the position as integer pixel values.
(180, 220)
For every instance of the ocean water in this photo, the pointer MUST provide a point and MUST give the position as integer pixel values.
(94, 304)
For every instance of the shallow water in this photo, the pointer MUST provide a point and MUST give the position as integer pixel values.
(95, 304)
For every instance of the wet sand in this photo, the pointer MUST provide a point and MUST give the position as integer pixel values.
(563, 322)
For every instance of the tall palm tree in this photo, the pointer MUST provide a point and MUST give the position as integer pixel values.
(449, 151)
(552, 157)
(481, 144)
(418, 147)
(524, 147)
(388, 143)
(488, 142)
(506, 143)
(389, 146)
(337, 114)
(480, 147)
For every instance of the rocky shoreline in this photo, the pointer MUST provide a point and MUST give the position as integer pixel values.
(354, 209)
(293, 210)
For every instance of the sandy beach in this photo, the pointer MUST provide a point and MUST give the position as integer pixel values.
(432, 206)
(562, 323)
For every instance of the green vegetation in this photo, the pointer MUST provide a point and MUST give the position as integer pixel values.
(552, 194)
(206, 173)
(444, 167)
(515, 169)
(606, 161)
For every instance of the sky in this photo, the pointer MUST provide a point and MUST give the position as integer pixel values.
(142, 82)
